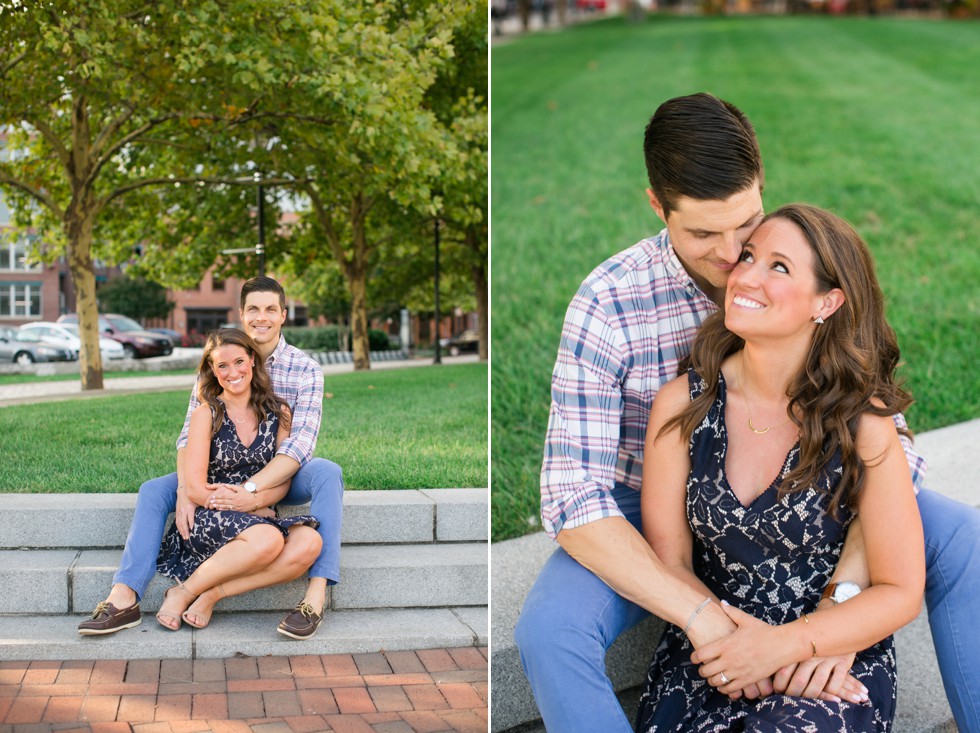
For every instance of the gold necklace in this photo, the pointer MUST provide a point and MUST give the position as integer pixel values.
(236, 420)
(752, 427)
(765, 430)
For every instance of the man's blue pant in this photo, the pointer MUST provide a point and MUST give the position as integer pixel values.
(570, 618)
(318, 482)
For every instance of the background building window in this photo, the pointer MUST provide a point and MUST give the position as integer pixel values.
(13, 258)
(19, 300)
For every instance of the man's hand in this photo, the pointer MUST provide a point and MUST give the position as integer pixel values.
(184, 514)
(712, 624)
(750, 654)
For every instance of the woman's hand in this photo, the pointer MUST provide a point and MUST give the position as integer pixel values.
(230, 497)
(749, 655)
(826, 678)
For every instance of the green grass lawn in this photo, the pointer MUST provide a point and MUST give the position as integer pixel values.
(393, 429)
(873, 118)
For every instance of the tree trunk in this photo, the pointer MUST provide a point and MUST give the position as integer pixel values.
(79, 228)
(359, 321)
(357, 278)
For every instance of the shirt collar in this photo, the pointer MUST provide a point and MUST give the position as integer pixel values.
(674, 268)
(278, 352)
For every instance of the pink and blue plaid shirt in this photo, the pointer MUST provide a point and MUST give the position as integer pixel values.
(626, 330)
(298, 381)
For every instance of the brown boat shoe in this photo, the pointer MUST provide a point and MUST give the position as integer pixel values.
(107, 619)
(301, 623)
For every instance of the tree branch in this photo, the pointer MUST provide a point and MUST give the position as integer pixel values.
(12, 63)
(109, 130)
(52, 139)
(326, 223)
(36, 194)
(164, 181)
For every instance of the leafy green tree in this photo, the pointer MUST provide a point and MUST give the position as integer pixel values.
(134, 297)
(459, 99)
(384, 151)
(101, 99)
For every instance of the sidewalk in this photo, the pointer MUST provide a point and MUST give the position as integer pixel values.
(427, 691)
(31, 392)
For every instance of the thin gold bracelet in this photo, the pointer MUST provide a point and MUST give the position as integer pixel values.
(812, 642)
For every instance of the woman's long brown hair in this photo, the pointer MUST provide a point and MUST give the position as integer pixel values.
(262, 399)
(852, 359)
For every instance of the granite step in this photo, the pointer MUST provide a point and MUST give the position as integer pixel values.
(372, 576)
(248, 634)
(88, 521)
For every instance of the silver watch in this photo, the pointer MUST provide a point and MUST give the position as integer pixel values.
(840, 592)
(250, 486)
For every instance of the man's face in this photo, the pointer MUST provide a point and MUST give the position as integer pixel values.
(262, 318)
(708, 235)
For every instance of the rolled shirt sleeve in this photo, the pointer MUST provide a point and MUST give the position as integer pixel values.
(917, 464)
(192, 405)
(307, 412)
(583, 438)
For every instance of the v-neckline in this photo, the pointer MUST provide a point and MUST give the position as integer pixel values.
(234, 429)
(723, 396)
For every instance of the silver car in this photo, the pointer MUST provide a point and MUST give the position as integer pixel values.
(66, 335)
(28, 349)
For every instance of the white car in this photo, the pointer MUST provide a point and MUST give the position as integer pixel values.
(67, 335)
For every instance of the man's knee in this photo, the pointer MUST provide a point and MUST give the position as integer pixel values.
(323, 474)
(950, 526)
(328, 472)
(159, 492)
(546, 631)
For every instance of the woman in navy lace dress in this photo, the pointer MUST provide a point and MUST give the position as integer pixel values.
(756, 462)
(237, 542)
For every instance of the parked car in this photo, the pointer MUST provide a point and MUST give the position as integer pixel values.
(136, 341)
(66, 335)
(25, 349)
(467, 341)
(176, 337)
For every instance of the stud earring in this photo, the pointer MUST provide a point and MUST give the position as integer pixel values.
(818, 320)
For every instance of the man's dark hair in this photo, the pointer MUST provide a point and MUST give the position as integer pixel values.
(701, 147)
(263, 284)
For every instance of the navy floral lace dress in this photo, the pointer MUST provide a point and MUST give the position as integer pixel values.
(231, 462)
(772, 559)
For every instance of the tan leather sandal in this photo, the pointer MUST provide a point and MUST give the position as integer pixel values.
(164, 613)
(207, 617)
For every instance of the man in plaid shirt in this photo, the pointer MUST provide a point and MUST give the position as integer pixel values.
(625, 332)
(296, 379)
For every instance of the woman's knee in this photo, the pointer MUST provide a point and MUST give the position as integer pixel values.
(265, 541)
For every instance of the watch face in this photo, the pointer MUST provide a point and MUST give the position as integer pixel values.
(846, 591)
(250, 487)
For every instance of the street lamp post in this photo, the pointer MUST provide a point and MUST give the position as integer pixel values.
(260, 246)
(259, 249)
(438, 359)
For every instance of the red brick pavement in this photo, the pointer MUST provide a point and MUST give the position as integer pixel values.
(428, 691)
